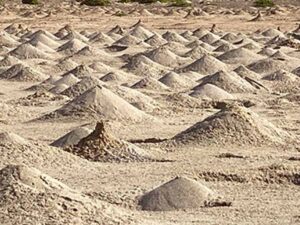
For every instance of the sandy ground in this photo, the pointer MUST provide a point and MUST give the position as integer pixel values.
(262, 184)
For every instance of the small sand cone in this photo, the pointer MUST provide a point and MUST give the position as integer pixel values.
(259, 17)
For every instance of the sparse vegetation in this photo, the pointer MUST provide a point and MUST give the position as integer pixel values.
(96, 2)
(264, 3)
(175, 3)
(181, 3)
(31, 2)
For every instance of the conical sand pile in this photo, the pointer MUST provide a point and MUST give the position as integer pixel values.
(283, 81)
(99, 102)
(180, 193)
(140, 32)
(24, 187)
(150, 84)
(9, 61)
(101, 146)
(212, 92)
(164, 56)
(240, 55)
(234, 126)
(68, 80)
(230, 82)
(206, 65)
(7, 40)
(174, 80)
(82, 86)
(172, 36)
(155, 40)
(20, 72)
(71, 46)
(80, 71)
(27, 51)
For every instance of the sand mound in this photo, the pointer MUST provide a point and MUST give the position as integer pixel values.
(27, 51)
(206, 65)
(118, 77)
(164, 56)
(24, 187)
(12, 139)
(174, 80)
(271, 32)
(66, 65)
(209, 38)
(239, 55)
(230, 37)
(9, 61)
(212, 92)
(172, 36)
(40, 98)
(243, 71)
(68, 80)
(80, 71)
(137, 99)
(117, 30)
(101, 146)
(71, 46)
(226, 47)
(150, 84)
(43, 38)
(200, 32)
(75, 35)
(267, 66)
(7, 40)
(267, 51)
(155, 40)
(140, 32)
(99, 102)
(57, 89)
(72, 138)
(233, 125)
(127, 40)
(283, 81)
(101, 38)
(143, 66)
(179, 193)
(196, 53)
(194, 44)
(20, 72)
(82, 86)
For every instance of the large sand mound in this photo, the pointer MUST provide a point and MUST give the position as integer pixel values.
(212, 92)
(179, 193)
(99, 102)
(27, 51)
(206, 65)
(27, 191)
(228, 81)
(20, 72)
(101, 146)
(235, 126)
(82, 86)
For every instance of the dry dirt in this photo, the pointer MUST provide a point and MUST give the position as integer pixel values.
(159, 116)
